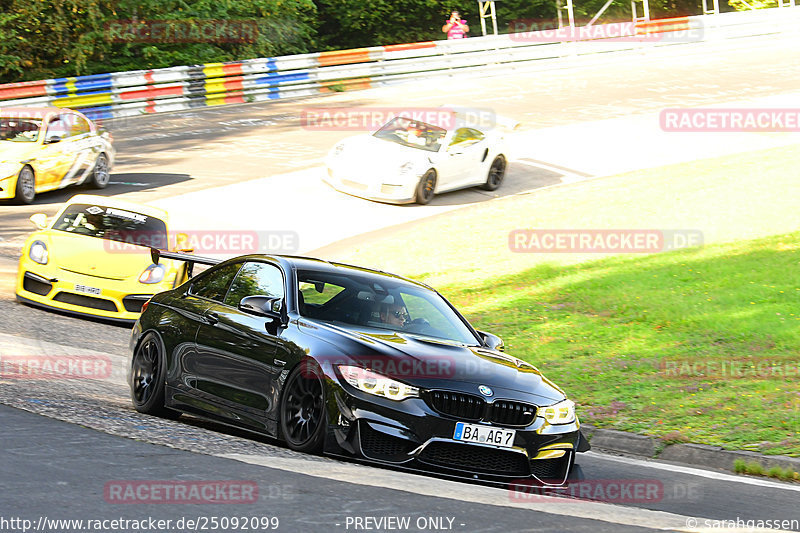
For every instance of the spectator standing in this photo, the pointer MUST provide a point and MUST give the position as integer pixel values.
(456, 27)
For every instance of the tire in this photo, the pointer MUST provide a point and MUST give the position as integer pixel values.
(497, 172)
(427, 184)
(26, 186)
(576, 474)
(100, 175)
(148, 378)
(303, 415)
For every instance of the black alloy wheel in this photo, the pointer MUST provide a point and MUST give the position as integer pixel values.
(303, 417)
(496, 174)
(427, 184)
(148, 373)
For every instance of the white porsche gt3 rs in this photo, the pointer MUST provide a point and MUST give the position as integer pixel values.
(408, 160)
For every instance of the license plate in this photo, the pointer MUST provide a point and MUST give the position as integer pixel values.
(503, 438)
(87, 290)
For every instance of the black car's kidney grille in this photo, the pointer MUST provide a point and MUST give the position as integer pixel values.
(85, 301)
(459, 405)
(508, 413)
(475, 459)
(550, 470)
(469, 408)
(36, 286)
(377, 445)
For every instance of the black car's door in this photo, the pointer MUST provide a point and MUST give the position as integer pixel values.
(190, 315)
(237, 350)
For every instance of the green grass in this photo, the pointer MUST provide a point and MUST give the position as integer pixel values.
(624, 335)
(632, 339)
(754, 468)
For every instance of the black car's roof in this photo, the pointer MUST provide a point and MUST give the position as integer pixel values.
(298, 262)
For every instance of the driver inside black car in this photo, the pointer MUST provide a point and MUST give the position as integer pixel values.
(394, 314)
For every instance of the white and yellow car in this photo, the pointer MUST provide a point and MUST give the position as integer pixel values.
(93, 258)
(408, 160)
(48, 148)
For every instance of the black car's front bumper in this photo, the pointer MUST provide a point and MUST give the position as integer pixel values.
(412, 434)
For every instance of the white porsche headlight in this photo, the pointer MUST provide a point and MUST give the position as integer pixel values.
(561, 413)
(374, 383)
(153, 274)
(38, 252)
(406, 168)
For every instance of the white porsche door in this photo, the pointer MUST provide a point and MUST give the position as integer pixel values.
(464, 160)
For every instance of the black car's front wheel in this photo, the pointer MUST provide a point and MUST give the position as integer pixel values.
(576, 474)
(303, 418)
(148, 378)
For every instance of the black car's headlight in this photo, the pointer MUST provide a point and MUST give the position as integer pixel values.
(38, 252)
(153, 274)
(562, 412)
(374, 383)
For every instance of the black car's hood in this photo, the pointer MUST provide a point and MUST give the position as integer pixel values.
(431, 363)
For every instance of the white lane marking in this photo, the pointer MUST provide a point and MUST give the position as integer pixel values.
(720, 476)
(454, 490)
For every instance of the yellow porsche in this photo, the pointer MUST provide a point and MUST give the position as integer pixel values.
(48, 148)
(93, 258)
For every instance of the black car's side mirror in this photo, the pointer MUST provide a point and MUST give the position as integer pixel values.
(493, 342)
(268, 306)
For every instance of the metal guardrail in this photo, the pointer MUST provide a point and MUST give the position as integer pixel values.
(124, 94)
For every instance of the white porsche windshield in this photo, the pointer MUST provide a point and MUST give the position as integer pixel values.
(375, 301)
(412, 133)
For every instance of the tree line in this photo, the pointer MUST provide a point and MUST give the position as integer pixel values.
(56, 38)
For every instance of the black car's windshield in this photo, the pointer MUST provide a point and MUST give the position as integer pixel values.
(375, 301)
(413, 133)
(113, 224)
(20, 129)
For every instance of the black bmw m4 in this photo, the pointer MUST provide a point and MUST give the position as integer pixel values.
(343, 360)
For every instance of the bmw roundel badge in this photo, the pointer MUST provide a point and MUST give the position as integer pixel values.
(486, 391)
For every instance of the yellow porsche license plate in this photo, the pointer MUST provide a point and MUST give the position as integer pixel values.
(87, 290)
